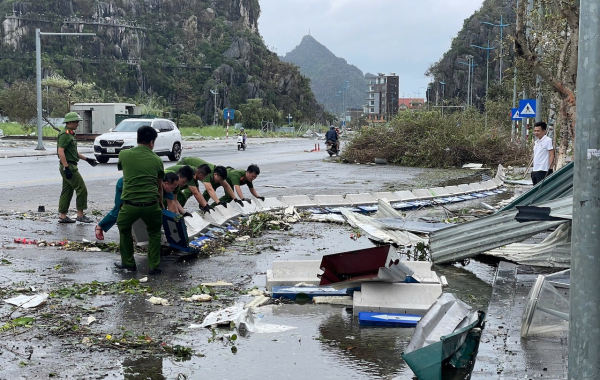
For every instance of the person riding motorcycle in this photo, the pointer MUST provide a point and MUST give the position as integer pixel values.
(332, 135)
(243, 134)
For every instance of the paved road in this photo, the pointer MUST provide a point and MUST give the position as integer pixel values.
(27, 182)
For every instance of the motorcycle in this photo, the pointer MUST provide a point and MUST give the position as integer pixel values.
(241, 142)
(332, 148)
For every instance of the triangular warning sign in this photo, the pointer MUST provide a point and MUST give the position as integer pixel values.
(516, 115)
(527, 110)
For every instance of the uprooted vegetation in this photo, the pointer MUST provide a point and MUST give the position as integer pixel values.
(427, 139)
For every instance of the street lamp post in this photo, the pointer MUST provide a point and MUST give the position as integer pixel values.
(443, 87)
(502, 26)
(38, 77)
(469, 84)
(487, 73)
(215, 103)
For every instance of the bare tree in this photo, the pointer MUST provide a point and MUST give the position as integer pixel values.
(553, 29)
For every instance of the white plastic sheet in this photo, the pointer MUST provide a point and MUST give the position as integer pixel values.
(28, 302)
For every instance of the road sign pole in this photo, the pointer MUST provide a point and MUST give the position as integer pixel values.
(584, 333)
(227, 133)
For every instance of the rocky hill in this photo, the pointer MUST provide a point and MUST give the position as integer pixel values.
(176, 49)
(474, 32)
(328, 75)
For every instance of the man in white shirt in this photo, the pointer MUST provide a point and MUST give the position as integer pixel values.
(543, 153)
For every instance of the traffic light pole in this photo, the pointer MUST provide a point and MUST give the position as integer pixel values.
(584, 325)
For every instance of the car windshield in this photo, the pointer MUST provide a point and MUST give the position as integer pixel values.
(130, 126)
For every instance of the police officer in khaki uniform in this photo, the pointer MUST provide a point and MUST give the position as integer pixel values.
(72, 180)
(142, 197)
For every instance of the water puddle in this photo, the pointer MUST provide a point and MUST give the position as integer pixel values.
(327, 341)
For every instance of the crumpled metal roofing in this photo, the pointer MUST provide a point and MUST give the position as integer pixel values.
(554, 251)
(470, 239)
(558, 185)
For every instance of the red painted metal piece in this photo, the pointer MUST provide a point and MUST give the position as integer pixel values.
(356, 265)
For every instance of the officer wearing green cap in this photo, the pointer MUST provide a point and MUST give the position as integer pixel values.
(72, 180)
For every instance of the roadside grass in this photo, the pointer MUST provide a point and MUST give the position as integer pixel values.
(216, 131)
(16, 129)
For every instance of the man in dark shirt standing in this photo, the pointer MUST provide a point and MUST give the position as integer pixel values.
(143, 175)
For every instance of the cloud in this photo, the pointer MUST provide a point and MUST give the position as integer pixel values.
(399, 36)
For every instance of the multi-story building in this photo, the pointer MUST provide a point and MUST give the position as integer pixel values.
(382, 97)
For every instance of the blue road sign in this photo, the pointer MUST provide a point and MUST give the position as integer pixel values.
(514, 114)
(228, 113)
(527, 108)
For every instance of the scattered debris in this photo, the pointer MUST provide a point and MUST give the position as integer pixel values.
(89, 320)
(158, 301)
(241, 318)
(258, 301)
(256, 292)
(27, 302)
(440, 334)
(217, 283)
(333, 300)
(294, 273)
(197, 297)
(366, 318)
(242, 238)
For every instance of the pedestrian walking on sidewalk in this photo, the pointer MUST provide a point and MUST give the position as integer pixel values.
(543, 153)
(142, 198)
(71, 178)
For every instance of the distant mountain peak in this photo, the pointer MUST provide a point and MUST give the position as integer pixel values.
(328, 74)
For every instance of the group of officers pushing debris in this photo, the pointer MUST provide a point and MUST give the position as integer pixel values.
(146, 188)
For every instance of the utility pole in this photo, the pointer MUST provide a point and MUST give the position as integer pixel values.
(487, 73)
(538, 80)
(584, 332)
(38, 78)
(514, 104)
(502, 26)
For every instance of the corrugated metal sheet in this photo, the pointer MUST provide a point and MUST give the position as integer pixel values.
(470, 239)
(554, 251)
(558, 185)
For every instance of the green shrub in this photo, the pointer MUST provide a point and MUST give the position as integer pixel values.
(427, 139)
(190, 121)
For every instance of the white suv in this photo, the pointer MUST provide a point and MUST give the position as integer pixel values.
(124, 136)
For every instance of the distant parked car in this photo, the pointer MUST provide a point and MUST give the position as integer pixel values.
(124, 136)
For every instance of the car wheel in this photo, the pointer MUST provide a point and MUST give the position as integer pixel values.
(176, 152)
(102, 159)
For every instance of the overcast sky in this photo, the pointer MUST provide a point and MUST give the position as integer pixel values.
(401, 36)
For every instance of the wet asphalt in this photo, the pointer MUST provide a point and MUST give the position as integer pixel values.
(326, 342)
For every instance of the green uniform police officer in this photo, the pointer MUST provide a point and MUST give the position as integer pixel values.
(215, 179)
(238, 178)
(143, 175)
(71, 178)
